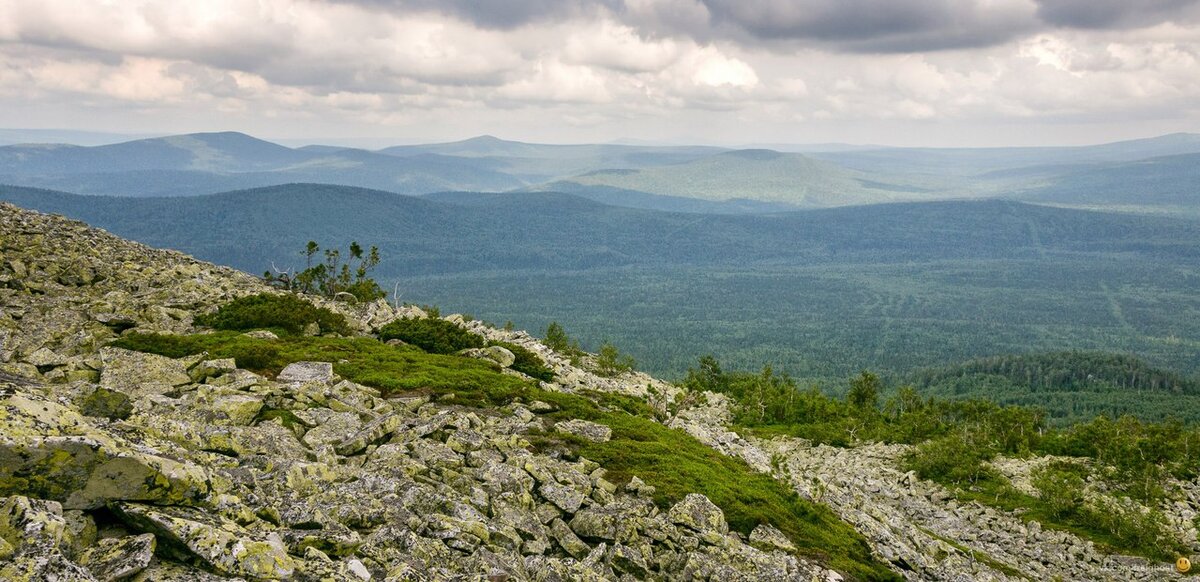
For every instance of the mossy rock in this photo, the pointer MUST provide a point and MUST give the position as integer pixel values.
(108, 404)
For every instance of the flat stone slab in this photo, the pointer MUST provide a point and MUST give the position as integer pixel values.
(302, 372)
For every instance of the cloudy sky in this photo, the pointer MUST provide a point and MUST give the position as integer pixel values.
(905, 72)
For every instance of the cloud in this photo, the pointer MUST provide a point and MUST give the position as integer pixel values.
(494, 14)
(876, 25)
(1115, 14)
(676, 66)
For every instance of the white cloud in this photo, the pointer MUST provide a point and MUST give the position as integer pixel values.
(663, 67)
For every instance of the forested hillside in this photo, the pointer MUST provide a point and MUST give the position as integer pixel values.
(1069, 386)
(820, 294)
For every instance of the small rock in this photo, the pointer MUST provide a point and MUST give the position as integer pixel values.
(768, 538)
(565, 498)
(301, 372)
(236, 409)
(497, 355)
(212, 369)
(597, 433)
(628, 560)
(261, 334)
(32, 523)
(699, 514)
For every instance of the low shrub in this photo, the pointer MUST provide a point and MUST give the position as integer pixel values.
(288, 313)
(1060, 486)
(949, 460)
(436, 336)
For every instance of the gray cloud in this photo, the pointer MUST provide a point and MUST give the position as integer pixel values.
(876, 25)
(1109, 14)
(495, 14)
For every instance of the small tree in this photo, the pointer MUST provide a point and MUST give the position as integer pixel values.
(558, 340)
(610, 361)
(332, 278)
(864, 391)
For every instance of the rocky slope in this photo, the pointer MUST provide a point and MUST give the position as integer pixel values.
(120, 465)
(124, 465)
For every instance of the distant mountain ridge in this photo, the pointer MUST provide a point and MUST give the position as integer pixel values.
(1154, 174)
(545, 230)
(207, 163)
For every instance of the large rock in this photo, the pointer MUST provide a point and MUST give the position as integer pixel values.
(218, 543)
(699, 514)
(50, 451)
(27, 524)
(114, 559)
(139, 374)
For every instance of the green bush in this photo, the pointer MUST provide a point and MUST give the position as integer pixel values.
(1134, 527)
(527, 362)
(256, 356)
(288, 313)
(951, 459)
(1060, 486)
(436, 336)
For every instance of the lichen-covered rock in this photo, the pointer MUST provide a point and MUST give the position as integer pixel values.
(699, 514)
(114, 559)
(373, 432)
(235, 409)
(49, 566)
(139, 374)
(218, 543)
(301, 372)
(597, 433)
(495, 354)
(105, 403)
(32, 523)
(86, 473)
(209, 369)
(565, 498)
(6, 550)
(768, 538)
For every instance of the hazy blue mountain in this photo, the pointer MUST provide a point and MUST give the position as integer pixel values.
(973, 161)
(542, 162)
(11, 136)
(1172, 181)
(188, 165)
(764, 176)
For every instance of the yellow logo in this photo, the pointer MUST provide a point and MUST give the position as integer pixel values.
(1183, 565)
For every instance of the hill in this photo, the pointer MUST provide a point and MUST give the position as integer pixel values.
(537, 163)
(207, 163)
(764, 176)
(1170, 181)
(976, 161)
(1071, 386)
(162, 418)
(240, 455)
(820, 294)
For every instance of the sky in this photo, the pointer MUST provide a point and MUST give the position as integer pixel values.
(723, 72)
